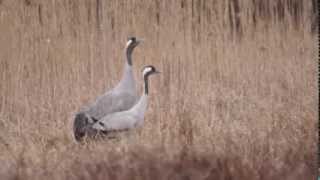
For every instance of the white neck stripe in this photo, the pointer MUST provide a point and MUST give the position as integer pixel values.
(146, 70)
(129, 42)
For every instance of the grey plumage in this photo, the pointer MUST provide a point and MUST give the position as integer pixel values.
(131, 118)
(120, 98)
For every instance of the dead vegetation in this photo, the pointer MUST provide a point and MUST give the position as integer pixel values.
(237, 98)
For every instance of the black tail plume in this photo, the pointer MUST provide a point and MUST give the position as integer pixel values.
(80, 123)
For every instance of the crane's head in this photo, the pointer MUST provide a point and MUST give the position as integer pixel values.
(148, 70)
(132, 43)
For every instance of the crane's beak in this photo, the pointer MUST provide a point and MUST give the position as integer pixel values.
(157, 72)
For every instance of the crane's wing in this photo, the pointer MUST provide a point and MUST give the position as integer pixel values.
(109, 103)
(117, 121)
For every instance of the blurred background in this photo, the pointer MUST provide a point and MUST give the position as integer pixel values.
(237, 97)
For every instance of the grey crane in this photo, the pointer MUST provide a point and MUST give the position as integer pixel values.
(122, 97)
(125, 120)
(130, 118)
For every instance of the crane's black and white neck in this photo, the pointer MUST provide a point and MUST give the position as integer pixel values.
(147, 71)
(131, 44)
(127, 81)
(141, 106)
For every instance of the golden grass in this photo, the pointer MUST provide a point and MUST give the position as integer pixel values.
(237, 98)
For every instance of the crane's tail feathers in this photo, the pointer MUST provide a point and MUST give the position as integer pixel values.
(80, 123)
(82, 126)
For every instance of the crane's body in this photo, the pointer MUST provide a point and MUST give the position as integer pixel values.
(120, 98)
(126, 120)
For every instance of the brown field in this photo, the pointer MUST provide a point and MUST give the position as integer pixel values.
(237, 98)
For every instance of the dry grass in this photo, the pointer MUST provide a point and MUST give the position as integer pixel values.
(237, 98)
